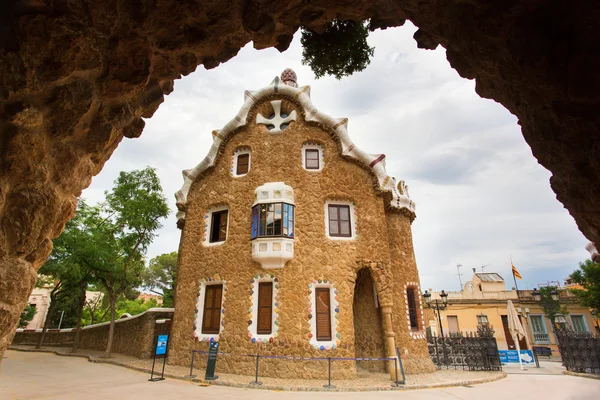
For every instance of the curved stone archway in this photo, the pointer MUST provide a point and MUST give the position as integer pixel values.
(77, 77)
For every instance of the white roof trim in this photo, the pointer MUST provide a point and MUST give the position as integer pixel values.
(375, 162)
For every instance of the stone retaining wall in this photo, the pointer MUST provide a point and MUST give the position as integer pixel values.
(134, 336)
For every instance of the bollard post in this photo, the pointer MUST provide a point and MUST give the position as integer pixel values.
(256, 382)
(191, 367)
(329, 385)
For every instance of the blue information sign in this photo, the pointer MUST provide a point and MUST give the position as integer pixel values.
(161, 345)
(512, 357)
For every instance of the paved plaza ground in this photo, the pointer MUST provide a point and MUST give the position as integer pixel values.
(32, 375)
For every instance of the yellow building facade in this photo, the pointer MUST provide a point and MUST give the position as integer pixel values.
(484, 298)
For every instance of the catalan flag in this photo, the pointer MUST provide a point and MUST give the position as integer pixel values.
(515, 272)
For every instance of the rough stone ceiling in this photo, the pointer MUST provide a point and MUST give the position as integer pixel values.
(77, 76)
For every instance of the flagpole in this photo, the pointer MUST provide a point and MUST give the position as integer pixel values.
(514, 277)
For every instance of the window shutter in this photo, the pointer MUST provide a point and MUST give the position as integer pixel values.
(265, 308)
(223, 226)
(323, 314)
(243, 161)
(211, 318)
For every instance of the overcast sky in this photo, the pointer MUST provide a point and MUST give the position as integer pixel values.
(481, 196)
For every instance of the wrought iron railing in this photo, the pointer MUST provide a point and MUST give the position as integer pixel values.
(580, 351)
(475, 351)
(541, 338)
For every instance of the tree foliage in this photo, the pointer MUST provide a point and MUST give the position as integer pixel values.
(27, 315)
(340, 50)
(105, 244)
(161, 274)
(588, 276)
(551, 307)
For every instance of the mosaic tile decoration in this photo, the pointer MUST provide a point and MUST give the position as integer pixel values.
(421, 333)
(254, 337)
(336, 336)
(375, 163)
(238, 151)
(201, 337)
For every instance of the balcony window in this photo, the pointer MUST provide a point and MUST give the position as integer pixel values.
(273, 219)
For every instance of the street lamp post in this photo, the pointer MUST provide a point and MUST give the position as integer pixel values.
(437, 306)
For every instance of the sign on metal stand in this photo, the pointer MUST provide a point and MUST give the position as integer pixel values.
(396, 363)
(212, 361)
(162, 342)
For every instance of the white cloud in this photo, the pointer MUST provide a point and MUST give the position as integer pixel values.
(481, 196)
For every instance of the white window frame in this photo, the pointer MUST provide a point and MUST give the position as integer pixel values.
(543, 324)
(352, 219)
(236, 154)
(252, 328)
(334, 304)
(208, 225)
(200, 313)
(585, 325)
(313, 146)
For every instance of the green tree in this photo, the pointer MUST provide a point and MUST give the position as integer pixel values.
(161, 274)
(551, 307)
(588, 276)
(27, 315)
(134, 307)
(340, 50)
(120, 236)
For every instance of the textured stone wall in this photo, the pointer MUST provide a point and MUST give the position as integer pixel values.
(133, 336)
(412, 345)
(79, 76)
(368, 331)
(278, 158)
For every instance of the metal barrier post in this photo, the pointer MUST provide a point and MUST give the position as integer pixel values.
(535, 357)
(329, 385)
(256, 382)
(191, 367)
(401, 368)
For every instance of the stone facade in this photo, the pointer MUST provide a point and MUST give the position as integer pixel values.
(379, 256)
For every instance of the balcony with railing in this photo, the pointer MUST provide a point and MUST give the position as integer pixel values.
(541, 338)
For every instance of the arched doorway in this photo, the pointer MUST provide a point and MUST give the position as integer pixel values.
(368, 329)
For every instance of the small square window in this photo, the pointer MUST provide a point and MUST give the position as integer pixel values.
(243, 164)
(218, 228)
(340, 224)
(311, 158)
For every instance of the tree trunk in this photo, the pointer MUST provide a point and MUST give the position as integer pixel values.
(79, 316)
(47, 321)
(111, 330)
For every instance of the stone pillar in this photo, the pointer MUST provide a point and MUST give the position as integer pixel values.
(17, 278)
(390, 343)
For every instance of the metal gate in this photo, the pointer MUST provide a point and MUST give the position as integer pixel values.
(475, 351)
(580, 351)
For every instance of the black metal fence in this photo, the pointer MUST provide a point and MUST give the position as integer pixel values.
(580, 351)
(474, 351)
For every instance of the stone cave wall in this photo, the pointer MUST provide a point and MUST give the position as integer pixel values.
(78, 76)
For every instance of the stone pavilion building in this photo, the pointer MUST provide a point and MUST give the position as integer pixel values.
(295, 242)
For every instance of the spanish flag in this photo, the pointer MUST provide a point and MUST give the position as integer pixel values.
(515, 272)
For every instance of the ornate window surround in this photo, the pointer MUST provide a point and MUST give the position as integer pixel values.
(253, 310)
(199, 311)
(313, 146)
(312, 320)
(353, 219)
(234, 160)
(420, 334)
(208, 223)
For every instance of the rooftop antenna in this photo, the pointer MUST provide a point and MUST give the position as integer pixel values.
(459, 275)
(483, 267)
